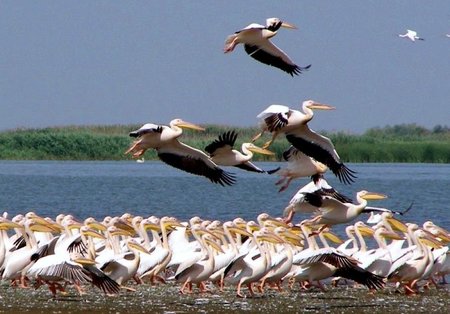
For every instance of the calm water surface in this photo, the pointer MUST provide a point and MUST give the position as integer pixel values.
(152, 188)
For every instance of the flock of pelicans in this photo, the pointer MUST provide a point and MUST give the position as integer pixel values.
(270, 252)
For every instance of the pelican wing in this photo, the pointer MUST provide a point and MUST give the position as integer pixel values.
(224, 142)
(326, 255)
(189, 159)
(145, 129)
(321, 149)
(250, 167)
(270, 54)
(325, 202)
(361, 276)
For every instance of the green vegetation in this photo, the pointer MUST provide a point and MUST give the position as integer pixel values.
(400, 143)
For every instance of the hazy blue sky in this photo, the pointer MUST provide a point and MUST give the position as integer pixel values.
(109, 62)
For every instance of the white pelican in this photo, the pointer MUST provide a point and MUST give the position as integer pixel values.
(222, 153)
(279, 119)
(317, 186)
(250, 267)
(411, 35)
(411, 269)
(257, 44)
(193, 269)
(333, 211)
(298, 166)
(320, 263)
(176, 154)
(124, 266)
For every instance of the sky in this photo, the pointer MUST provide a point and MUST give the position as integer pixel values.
(132, 62)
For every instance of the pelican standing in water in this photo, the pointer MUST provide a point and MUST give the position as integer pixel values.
(257, 44)
(175, 153)
(411, 35)
(222, 153)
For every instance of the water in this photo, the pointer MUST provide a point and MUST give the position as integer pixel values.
(112, 188)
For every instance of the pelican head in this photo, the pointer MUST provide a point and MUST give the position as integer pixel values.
(371, 195)
(275, 23)
(311, 104)
(256, 149)
(184, 124)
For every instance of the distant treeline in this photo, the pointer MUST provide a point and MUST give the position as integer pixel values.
(399, 143)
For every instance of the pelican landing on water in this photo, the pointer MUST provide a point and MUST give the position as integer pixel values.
(257, 44)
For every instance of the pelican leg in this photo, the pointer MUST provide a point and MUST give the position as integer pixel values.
(202, 287)
(257, 136)
(267, 144)
(250, 288)
(289, 217)
(285, 186)
(408, 289)
(238, 291)
(183, 287)
(230, 46)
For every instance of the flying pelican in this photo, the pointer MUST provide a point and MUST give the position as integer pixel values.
(175, 153)
(222, 153)
(257, 44)
(279, 119)
(412, 35)
(298, 166)
(317, 186)
(333, 211)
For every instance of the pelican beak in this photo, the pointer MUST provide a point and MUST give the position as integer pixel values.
(137, 246)
(84, 261)
(320, 106)
(240, 231)
(397, 224)
(332, 237)
(120, 232)
(214, 245)
(288, 25)
(7, 225)
(271, 238)
(430, 240)
(260, 150)
(365, 230)
(96, 225)
(292, 238)
(93, 234)
(152, 226)
(188, 125)
(41, 228)
(372, 196)
(392, 235)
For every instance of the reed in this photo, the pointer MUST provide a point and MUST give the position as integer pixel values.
(405, 143)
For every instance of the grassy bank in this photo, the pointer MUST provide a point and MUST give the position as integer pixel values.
(403, 143)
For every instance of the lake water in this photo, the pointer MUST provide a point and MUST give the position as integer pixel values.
(99, 189)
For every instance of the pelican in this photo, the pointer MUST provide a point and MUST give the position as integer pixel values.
(222, 153)
(298, 165)
(333, 211)
(317, 186)
(175, 153)
(409, 270)
(279, 119)
(411, 35)
(257, 44)
(320, 263)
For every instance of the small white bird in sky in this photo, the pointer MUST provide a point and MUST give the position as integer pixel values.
(412, 35)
